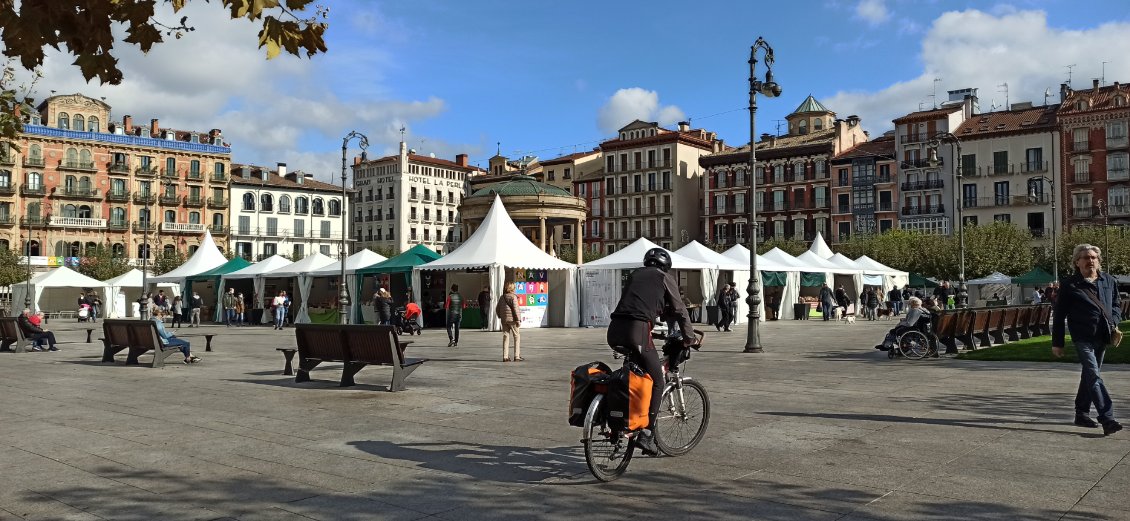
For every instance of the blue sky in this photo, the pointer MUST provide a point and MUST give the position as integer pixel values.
(550, 78)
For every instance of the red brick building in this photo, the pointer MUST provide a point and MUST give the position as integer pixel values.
(865, 189)
(1095, 155)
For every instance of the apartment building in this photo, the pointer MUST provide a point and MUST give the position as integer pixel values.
(927, 191)
(793, 179)
(407, 199)
(85, 181)
(651, 184)
(865, 190)
(285, 213)
(1094, 154)
(562, 172)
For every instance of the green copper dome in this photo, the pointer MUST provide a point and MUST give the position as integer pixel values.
(521, 185)
(810, 105)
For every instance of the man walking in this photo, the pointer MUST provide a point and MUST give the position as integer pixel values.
(895, 296)
(229, 306)
(454, 307)
(1088, 303)
(194, 305)
(484, 308)
(827, 301)
(725, 311)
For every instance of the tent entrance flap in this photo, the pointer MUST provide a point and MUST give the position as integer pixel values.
(812, 280)
(773, 278)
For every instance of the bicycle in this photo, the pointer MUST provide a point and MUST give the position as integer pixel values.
(680, 423)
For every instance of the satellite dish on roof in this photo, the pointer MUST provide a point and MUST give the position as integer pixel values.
(432, 155)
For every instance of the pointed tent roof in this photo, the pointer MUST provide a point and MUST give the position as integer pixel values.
(631, 256)
(497, 242)
(310, 263)
(870, 265)
(353, 262)
(248, 270)
(995, 278)
(810, 105)
(207, 256)
(64, 277)
(1034, 277)
(820, 247)
(697, 251)
(741, 254)
(843, 261)
(814, 262)
(403, 263)
(129, 279)
(235, 264)
(781, 257)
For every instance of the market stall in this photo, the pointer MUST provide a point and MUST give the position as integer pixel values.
(394, 274)
(207, 256)
(122, 291)
(297, 277)
(210, 286)
(54, 291)
(249, 281)
(779, 283)
(331, 274)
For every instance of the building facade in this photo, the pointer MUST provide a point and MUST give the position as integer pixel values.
(651, 184)
(84, 181)
(285, 213)
(1094, 157)
(1007, 167)
(562, 172)
(793, 179)
(408, 199)
(865, 190)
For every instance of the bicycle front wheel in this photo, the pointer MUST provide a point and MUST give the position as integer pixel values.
(682, 418)
(607, 452)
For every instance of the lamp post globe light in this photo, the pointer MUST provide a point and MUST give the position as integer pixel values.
(1034, 196)
(962, 296)
(769, 89)
(343, 294)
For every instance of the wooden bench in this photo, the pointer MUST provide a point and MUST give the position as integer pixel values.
(356, 346)
(946, 325)
(12, 336)
(1045, 320)
(137, 337)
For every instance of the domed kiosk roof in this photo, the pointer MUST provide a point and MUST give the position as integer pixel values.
(521, 185)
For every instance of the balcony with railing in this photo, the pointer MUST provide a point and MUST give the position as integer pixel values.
(76, 222)
(218, 203)
(1080, 146)
(146, 171)
(7, 190)
(1085, 212)
(219, 177)
(146, 199)
(643, 165)
(920, 163)
(1033, 167)
(195, 176)
(34, 162)
(843, 208)
(1117, 173)
(913, 137)
(182, 228)
(169, 199)
(885, 206)
(218, 229)
(924, 210)
(33, 220)
(117, 226)
(119, 168)
(929, 184)
(29, 190)
(1118, 210)
(1002, 169)
(84, 166)
(969, 171)
(72, 192)
(7, 220)
(1117, 142)
(193, 202)
(1082, 177)
(142, 226)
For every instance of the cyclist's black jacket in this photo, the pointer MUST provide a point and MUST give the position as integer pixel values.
(650, 293)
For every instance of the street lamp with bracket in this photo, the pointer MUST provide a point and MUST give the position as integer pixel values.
(769, 89)
(962, 297)
(1034, 196)
(343, 293)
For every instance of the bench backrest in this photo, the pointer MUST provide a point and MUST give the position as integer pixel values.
(947, 322)
(1008, 321)
(10, 329)
(1045, 314)
(116, 331)
(321, 341)
(1023, 315)
(371, 343)
(981, 319)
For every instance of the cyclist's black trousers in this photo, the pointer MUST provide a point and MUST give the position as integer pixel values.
(626, 332)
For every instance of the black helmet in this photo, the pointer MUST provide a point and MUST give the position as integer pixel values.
(657, 257)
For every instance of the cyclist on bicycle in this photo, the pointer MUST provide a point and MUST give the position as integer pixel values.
(650, 293)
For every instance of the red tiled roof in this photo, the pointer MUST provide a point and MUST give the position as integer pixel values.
(1023, 121)
(276, 181)
(928, 114)
(882, 147)
(1103, 99)
(690, 137)
(570, 158)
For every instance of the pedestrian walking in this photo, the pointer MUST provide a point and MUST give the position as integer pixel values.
(278, 305)
(454, 307)
(240, 308)
(178, 311)
(827, 301)
(194, 305)
(229, 307)
(1088, 305)
(725, 307)
(382, 305)
(484, 308)
(510, 315)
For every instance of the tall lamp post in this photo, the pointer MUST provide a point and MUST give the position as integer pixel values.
(962, 296)
(1034, 196)
(1103, 211)
(27, 251)
(343, 294)
(143, 300)
(769, 89)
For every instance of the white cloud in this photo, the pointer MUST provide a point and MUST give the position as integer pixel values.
(634, 103)
(981, 50)
(873, 11)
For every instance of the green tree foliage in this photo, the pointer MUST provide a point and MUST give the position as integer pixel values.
(13, 267)
(102, 264)
(791, 246)
(1112, 240)
(167, 261)
(387, 251)
(569, 254)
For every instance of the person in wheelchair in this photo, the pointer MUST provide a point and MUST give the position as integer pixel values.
(916, 319)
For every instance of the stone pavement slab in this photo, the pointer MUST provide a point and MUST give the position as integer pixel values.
(820, 426)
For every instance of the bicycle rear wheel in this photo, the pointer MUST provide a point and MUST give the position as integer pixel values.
(914, 344)
(607, 452)
(681, 423)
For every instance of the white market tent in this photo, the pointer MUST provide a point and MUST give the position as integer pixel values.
(779, 264)
(996, 282)
(820, 247)
(601, 279)
(711, 280)
(207, 257)
(55, 290)
(256, 271)
(361, 259)
(301, 270)
(500, 247)
(891, 277)
(131, 280)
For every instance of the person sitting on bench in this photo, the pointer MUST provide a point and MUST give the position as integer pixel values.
(30, 324)
(171, 340)
(906, 324)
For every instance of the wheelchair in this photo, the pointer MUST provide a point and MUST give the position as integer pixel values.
(918, 342)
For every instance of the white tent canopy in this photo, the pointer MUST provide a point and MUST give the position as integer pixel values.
(207, 257)
(695, 250)
(498, 244)
(631, 257)
(788, 292)
(873, 269)
(995, 278)
(782, 258)
(301, 270)
(256, 271)
(870, 265)
(130, 279)
(49, 287)
(600, 279)
(361, 259)
(710, 280)
(820, 247)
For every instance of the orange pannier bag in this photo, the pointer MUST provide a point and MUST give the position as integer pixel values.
(639, 396)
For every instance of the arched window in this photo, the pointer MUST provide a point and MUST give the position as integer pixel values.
(5, 244)
(35, 180)
(72, 156)
(35, 152)
(74, 249)
(170, 216)
(85, 159)
(117, 216)
(84, 184)
(70, 211)
(193, 217)
(33, 248)
(90, 249)
(5, 178)
(169, 249)
(92, 124)
(818, 124)
(70, 183)
(802, 127)
(335, 207)
(318, 207)
(284, 204)
(143, 251)
(85, 212)
(64, 121)
(171, 166)
(118, 250)
(79, 123)
(300, 205)
(33, 209)
(192, 250)
(248, 201)
(217, 219)
(266, 203)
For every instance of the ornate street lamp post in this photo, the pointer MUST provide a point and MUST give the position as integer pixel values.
(962, 296)
(769, 89)
(1034, 196)
(343, 294)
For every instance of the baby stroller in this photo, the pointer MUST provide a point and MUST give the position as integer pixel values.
(405, 326)
(84, 313)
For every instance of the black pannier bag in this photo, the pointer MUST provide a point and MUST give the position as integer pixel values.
(583, 387)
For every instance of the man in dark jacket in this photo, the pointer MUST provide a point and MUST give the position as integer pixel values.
(35, 333)
(1088, 303)
(484, 308)
(895, 296)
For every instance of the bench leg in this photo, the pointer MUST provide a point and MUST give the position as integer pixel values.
(950, 343)
(6, 346)
(349, 371)
(88, 332)
(289, 369)
(399, 374)
(208, 343)
(131, 357)
(997, 336)
(21, 346)
(1011, 335)
(304, 368)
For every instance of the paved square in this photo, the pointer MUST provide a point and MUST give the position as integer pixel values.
(820, 426)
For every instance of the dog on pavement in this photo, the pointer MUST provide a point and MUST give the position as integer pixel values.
(884, 314)
(839, 315)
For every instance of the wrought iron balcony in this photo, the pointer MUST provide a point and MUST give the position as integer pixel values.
(34, 220)
(36, 162)
(77, 193)
(142, 226)
(119, 168)
(193, 202)
(77, 165)
(217, 203)
(144, 199)
(146, 171)
(7, 220)
(219, 178)
(169, 200)
(27, 190)
(118, 225)
(7, 190)
(117, 196)
(218, 229)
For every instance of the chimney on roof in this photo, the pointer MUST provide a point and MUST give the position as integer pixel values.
(719, 145)
(296, 176)
(853, 120)
(684, 126)
(765, 136)
(1116, 85)
(1064, 92)
(1021, 105)
(281, 168)
(773, 141)
(1095, 84)
(127, 124)
(154, 128)
(305, 177)
(461, 159)
(356, 160)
